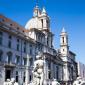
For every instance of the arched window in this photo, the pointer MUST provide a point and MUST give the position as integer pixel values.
(1, 53)
(9, 57)
(63, 39)
(42, 22)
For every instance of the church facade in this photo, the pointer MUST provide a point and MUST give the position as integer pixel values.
(20, 45)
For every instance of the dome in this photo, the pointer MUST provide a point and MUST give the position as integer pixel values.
(35, 22)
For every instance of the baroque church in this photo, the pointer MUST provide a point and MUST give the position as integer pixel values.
(20, 45)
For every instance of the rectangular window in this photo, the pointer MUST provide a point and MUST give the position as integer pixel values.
(24, 47)
(31, 61)
(1, 35)
(42, 22)
(16, 76)
(9, 59)
(9, 41)
(25, 61)
(17, 59)
(63, 39)
(24, 77)
(30, 78)
(30, 49)
(17, 47)
(9, 44)
(10, 37)
(49, 75)
(0, 55)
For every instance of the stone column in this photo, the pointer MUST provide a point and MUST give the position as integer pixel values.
(45, 74)
(27, 71)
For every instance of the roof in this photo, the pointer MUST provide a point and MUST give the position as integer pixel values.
(13, 28)
(72, 53)
(34, 22)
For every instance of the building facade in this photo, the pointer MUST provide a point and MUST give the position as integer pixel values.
(81, 70)
(19, 47)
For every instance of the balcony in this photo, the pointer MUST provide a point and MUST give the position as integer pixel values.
(9, 64)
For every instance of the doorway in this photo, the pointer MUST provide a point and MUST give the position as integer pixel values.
(7, 74)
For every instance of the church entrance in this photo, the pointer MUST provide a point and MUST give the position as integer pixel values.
(7, 74)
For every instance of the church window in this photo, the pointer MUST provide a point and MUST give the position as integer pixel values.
(63, 39)
(1, 35)
(42, 22)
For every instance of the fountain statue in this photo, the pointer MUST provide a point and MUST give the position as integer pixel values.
(55, 82)
(79, 81)
(11, 82)
(38, 71)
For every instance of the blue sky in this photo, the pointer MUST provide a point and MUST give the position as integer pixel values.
(63, 13)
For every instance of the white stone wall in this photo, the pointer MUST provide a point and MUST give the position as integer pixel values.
(81, 70)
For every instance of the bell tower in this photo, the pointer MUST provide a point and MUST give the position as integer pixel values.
(45, 20)
(37, 11)
(64, 48)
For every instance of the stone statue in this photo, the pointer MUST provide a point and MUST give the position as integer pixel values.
(11, 82)
(55, 82)
(79, 81)
(38, 71)
(7, 82)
